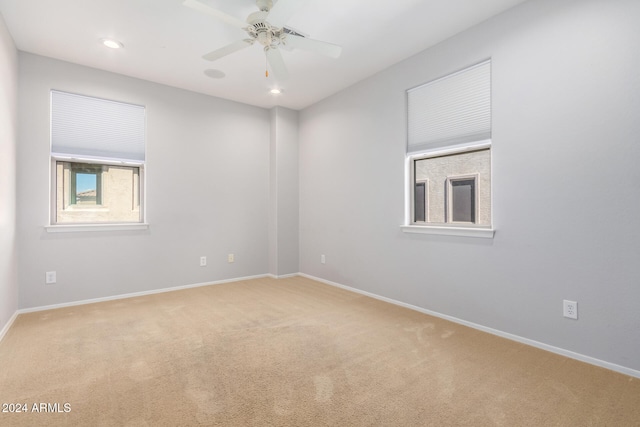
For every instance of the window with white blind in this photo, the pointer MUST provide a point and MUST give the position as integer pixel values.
(98, 158)
(449, 154)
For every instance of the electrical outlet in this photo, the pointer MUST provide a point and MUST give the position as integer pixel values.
(203, 261)
(50, 277)
(323, 259)
(231, 258)
(570, 309)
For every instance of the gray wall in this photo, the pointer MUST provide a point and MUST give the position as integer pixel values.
(206, 191)
(8, 141)
(565, 182)
(283, 199)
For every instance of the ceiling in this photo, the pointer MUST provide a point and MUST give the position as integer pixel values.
(164, 41)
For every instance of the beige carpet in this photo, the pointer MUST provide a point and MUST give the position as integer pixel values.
(289, 352)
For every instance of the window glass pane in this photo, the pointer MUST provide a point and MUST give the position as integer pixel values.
(97, 193)
(457, 188)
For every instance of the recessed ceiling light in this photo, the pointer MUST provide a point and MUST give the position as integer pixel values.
(214, 74)
(113, 44)
(275, 91)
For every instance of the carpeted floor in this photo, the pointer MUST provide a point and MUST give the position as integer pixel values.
(289, 352)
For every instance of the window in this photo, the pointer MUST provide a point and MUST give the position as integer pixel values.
(449, 152)
(97, 152)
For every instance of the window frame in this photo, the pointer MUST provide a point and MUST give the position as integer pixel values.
(447, 115)
(450, 229)
(68, 145)
(56, 227)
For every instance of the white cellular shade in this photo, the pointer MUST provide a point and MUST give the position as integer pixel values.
(96, 128)
(451, 110)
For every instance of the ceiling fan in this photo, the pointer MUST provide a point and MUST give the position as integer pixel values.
(267, 27)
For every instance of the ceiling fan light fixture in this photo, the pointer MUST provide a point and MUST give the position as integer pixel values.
(111, 43)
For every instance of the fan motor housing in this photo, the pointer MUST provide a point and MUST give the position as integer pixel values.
(261, 30)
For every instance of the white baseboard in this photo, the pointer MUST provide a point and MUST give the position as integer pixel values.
(563, 352)
(284, 276)
(4, 330)
(137, 294)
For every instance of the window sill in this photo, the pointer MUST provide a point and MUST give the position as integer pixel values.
(486, 233)
(72, 228)
(94, 208)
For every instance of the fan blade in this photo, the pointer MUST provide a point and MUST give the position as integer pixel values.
(227, 50)
(274, 57)
(196, 5)
(329, 49)
(283, 10)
